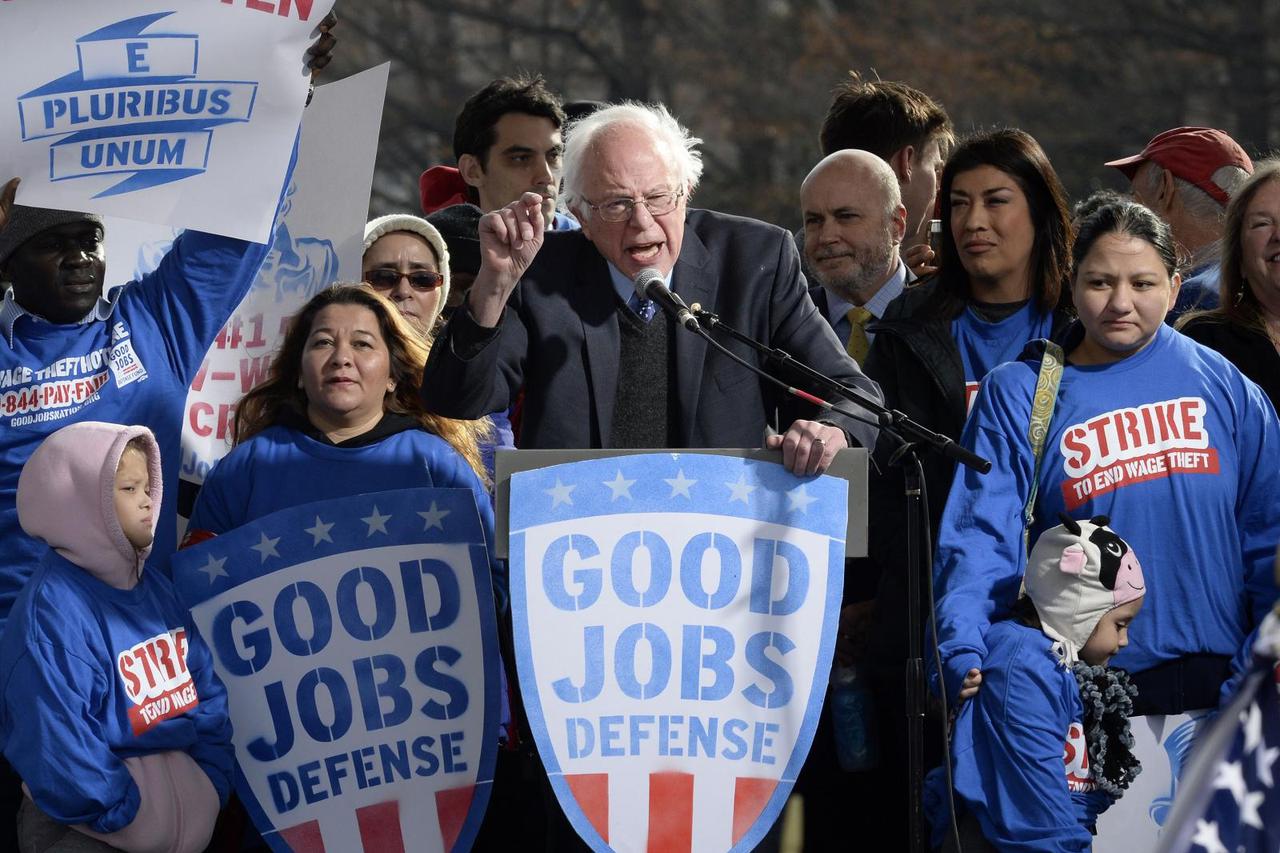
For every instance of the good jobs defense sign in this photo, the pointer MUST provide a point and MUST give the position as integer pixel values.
(675, 621)
(176, 112)
(358, 644)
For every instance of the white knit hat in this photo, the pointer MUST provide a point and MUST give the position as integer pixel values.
(1077, 572)
(414, 225)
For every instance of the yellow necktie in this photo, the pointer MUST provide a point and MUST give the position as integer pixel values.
(858, 344)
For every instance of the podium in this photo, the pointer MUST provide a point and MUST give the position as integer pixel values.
(674, 618)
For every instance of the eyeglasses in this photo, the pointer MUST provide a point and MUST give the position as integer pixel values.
(622, 209)
(385, 279)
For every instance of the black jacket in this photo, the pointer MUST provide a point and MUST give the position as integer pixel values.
(1247, 349)
(917, 364)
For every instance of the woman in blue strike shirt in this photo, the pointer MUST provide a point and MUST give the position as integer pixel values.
(1150, 427)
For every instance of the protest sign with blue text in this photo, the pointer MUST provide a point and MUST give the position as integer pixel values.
(174, 112)
(318, 239)
(675, 620)
(358, 644)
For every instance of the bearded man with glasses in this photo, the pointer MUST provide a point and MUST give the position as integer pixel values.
(557, 313)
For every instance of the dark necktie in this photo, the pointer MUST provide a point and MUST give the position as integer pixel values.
(643, 308)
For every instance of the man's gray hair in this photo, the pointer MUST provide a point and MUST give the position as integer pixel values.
(674, 142)
(1202, 206)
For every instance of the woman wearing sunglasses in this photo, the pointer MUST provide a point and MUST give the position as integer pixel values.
(406, 260)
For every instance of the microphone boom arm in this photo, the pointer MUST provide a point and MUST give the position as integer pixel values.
(894, 422)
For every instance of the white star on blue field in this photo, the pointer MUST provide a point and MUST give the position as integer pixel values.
(678, 482)
(377, 521)
(299, 534)
(266, 547)
(320, 531)
(434, 517)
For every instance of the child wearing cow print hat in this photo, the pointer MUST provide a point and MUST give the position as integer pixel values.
(1086, 585)
(1044, 747)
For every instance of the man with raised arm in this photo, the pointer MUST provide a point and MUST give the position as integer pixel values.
(557, 314)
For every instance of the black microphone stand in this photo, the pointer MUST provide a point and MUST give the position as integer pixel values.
(910, 435)
(893, 421)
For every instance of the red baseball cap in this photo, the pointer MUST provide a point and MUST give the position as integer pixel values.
(440, 187)
(1193, 154)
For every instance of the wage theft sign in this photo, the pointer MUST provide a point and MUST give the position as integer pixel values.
(358, 644)
(170, 111)
(675, 618)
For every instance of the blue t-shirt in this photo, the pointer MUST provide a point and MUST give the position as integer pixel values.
(984, 345)
(91, 675)
(281, 467)
(1175, 445)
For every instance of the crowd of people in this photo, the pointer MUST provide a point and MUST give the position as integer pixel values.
(1118, 364)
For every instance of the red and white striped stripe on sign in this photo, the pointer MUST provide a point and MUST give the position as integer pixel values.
(380, 826)
(671, 806)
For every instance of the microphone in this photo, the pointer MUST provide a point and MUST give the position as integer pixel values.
(649, 284)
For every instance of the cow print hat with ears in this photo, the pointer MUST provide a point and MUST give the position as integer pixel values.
(1077, 572)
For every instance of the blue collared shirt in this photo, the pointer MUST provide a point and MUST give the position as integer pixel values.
(10, 311)
(837, 308)
(563, 221)
(626, 288)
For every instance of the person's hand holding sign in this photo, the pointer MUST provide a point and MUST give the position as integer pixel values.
(510, 238)
(6, 200)
(321, 51)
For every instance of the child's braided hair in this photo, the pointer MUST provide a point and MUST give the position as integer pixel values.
(1107, 695)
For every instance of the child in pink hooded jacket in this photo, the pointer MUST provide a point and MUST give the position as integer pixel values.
(110, 712)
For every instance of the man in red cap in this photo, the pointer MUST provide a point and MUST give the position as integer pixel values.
(1187, 175)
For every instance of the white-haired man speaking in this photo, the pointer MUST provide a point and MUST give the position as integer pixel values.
(602, 368)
